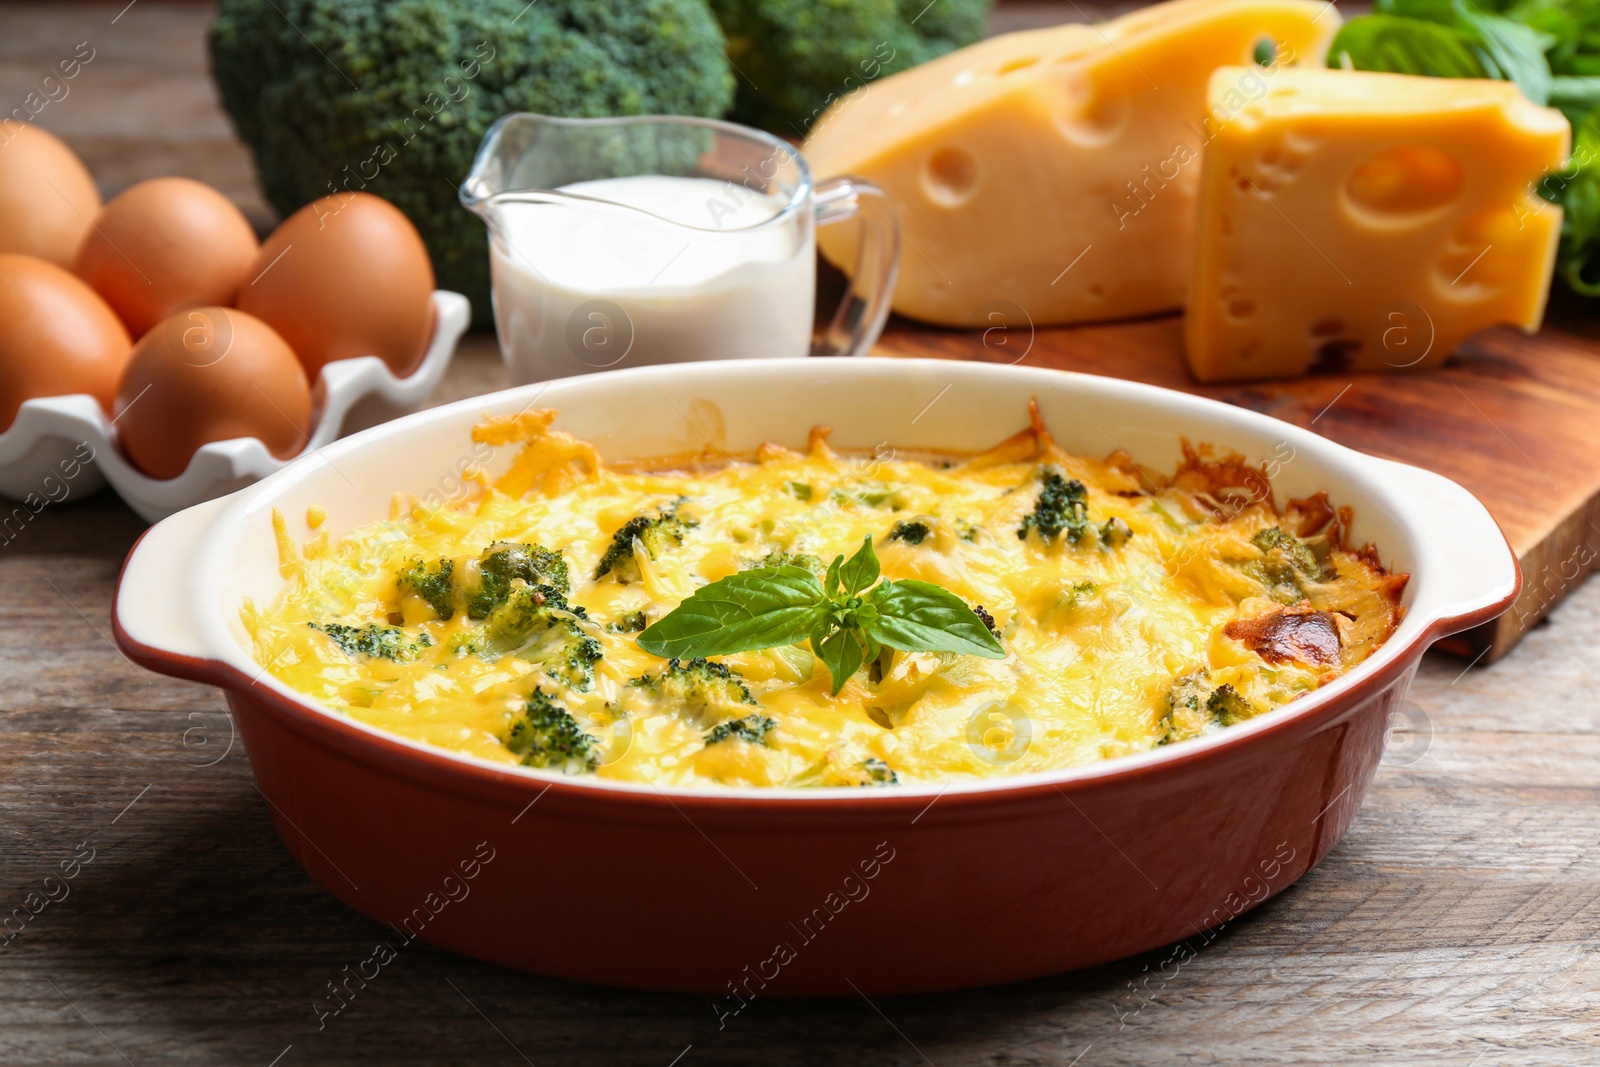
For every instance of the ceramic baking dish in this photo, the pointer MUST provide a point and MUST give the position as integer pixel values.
(736, 893)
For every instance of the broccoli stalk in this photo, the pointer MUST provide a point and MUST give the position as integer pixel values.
(547, 736)
(393, 97)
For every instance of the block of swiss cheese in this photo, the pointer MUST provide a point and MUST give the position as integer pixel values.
(1359, 221)
(1055, 170)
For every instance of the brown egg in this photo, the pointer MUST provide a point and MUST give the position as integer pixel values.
(46, 195)
(210, 374)
(163, 245)
(57, 337)
(345, 276)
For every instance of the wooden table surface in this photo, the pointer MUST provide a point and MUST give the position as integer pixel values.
(1458, 922)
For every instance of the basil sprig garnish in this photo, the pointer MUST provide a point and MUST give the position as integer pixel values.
(847, 618)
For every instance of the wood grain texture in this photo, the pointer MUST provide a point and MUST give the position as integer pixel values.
(1456, 924)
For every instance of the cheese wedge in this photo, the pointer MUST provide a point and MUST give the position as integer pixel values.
(1055, 170)
(1359, 221)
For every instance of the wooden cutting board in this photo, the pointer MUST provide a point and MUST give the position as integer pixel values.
(1515, 419)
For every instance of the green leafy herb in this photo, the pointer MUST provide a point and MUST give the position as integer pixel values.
(846, 617)
(1577, 189)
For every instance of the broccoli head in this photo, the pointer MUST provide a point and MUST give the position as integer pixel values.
(547, 736)
(1062, 508)
(780, 557)
(392, 97)
(707, 691)
(434, 583)
(631, 623)
(655, 532)
(482, 585)
(1287, 564)
(796, 57)
(752, 728)
(539, 631)
(379, 642)
(504, 563)
(912, 533)
(1195, 702)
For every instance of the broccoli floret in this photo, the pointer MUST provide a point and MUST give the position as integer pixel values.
(708, 691)
(798, 56)
(1194, 702)
(631, 623)
(579, 655)
(912, 533)
(1287, 564)
(433, 583)
(779, 557)
(751, 728)
(877, 772)
(1185, 700)
(393, 97)
(1226, 707)
(548, 736)
(538, 630)
(1062, 507)
(381, 642)
(482, 585)
(503, 563)
(654, 532)
(1115, 532)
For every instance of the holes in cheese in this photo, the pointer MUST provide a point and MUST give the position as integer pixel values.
(952, 176)
(1085, 144)
(1374, 220)
(1097, 111)
(1404, 183)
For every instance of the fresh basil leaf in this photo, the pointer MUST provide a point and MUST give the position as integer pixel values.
(1571, 25)
(841, 651)
(1403, 45)
(1576, 187)
(861, 570)
(832, 582)
(1513, 50)
(1432, 10)
(1576, 96)
(921, 617)
(761, 608)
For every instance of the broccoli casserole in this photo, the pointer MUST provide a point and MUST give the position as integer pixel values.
(803, 617)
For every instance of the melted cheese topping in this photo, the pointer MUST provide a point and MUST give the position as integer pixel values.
(1115, 644)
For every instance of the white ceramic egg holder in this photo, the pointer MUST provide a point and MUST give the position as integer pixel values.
(64, 447)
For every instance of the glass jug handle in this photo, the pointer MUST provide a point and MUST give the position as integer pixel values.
(865, 308)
